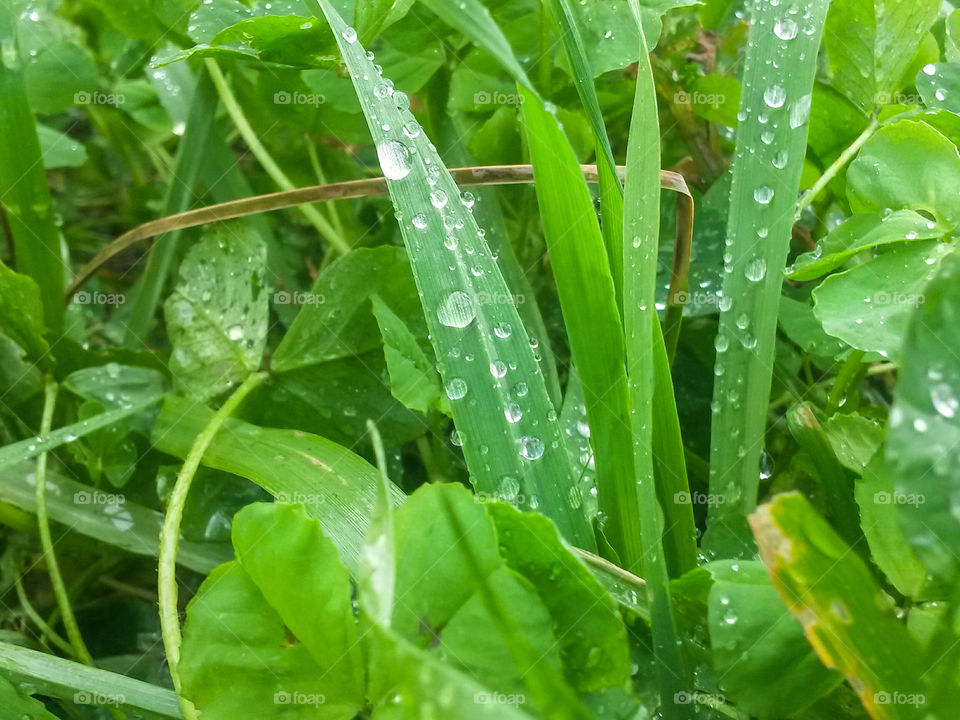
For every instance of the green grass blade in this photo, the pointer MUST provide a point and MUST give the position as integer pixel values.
(771, 142)
(70, 681)
(640, 247)
(588, 301)
(191, 155)
(511, 438)
(24, 195)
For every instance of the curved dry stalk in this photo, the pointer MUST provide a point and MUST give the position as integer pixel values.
(464, 177)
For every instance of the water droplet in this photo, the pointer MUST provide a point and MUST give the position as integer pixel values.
(785, 28)
(438, 198)
(235, 333)
(800, 112)
(349, 34)
(456, 388)
(763, 194)
(419, 221)
(531, 447)
(498, 369)
(756, 269)
(394, 159)
(944, 400)
(502, 330)
(456, 310)
(513, 412)
(774, 96)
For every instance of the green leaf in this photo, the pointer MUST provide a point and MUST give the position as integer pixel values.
(70, 681)
(870, 305)
(869, 64)
(217, 316)
(800, 325)
(854, 438)
(21, 314)
(23, 184)
(114, 385)
(939, 85)
(952, 42)
(716, 98)
(337, 487)
(500, 403)
(335, 321)
(588, 301)
(590, 635)
(413, 378)
(778, 76)
(847, 620)
(302, 42)
(924, 431)
(859, 233)
(762, 659)
(20, 705)
(906, 165)
(59, 150)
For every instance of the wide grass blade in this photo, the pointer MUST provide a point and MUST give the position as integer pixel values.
(781, 60)
(641, 227)
(24, 196)
(191, 154)
(73, 682)
(589, 304)
(508, 426)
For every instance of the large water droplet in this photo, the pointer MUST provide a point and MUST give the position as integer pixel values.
(775, 96)
(763, 194)
(531, 447)
(785, 28)
(349, 34)
(756, 269)
(456, 310)
(456, 388)
(394, 159)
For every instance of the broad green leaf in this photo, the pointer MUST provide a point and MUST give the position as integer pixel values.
(889, 549)
(854, 438)
(924, 431)
(763, 662)
(716, 98)
(906, 165)
(800, 325)
(287, 40)
(299, 572)
(27, 206)
(589, 304)
(217, 316)
(55, 677)
(835, 122)
(778, 75)
(499, 399)
(114, 384)
(870, 305)
(238, 656)
(372, 18)
(21, 314)
(859, 233)
(848, 621)
(20, 705)
(413, 377)
(590, 634)
(869, 64)
(335, 320)
(147, 20)
(337, 487)
(952, 41)
(939, 85)
(59, 150)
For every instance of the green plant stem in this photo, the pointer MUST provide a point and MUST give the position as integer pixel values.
(170, 535)
(845, 376)
(323, 226)
(46, 541)
(48, 633)
(806, 200)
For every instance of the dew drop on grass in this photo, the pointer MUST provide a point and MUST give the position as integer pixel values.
(512, 412)
(394, 159)
(498, 369)
(800, 112)
(721, 343)
(763, 194)
(944, 400)
(349, 34)
(774, 96)
(456, 388)
(235, 333)
(502, 330)
(450, 242)
(419, 221)
(531, 447)
(755, 269)
(509, 487)
(785, 29)
(438, 198)
(456, 310)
